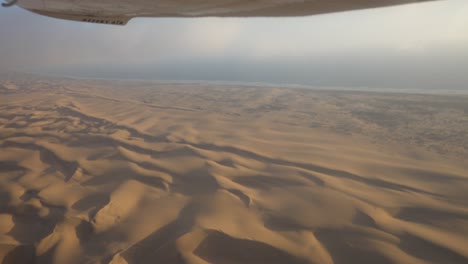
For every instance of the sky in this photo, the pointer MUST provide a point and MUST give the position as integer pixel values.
(414, 46)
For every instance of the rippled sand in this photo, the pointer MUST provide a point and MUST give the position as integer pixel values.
(140, 172)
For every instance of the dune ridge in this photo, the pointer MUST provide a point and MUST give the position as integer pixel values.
(138, 172)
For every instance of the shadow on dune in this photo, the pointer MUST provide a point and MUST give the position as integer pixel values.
(93, 202)
(242, 196)
(67, 168)
(18, 254)
(429, 215)
(221, 248)
(282, 223)
(6, 166)
(429, 251)
(29, 227)
(349, 247)
(194, 183)
(160, 244)
(363, 219)
(266, 182)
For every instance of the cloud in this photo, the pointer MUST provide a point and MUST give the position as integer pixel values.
(212, 36)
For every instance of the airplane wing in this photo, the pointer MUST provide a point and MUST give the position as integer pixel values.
(119, 12)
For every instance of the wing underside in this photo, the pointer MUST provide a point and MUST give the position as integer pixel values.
(119, 11)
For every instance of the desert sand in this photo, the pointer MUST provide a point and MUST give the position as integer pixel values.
(151, 172)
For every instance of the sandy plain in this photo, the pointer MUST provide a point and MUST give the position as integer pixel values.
(145, 172)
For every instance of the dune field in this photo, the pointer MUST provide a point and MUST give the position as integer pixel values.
(146, 172)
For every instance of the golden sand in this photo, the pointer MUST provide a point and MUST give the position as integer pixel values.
(141, 172)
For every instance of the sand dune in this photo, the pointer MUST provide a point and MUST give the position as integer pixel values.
(141, 172)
